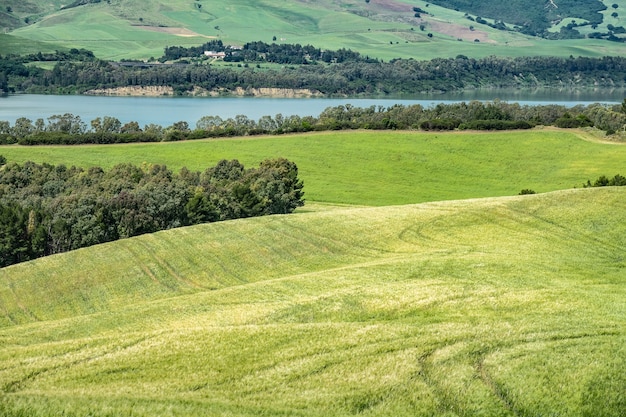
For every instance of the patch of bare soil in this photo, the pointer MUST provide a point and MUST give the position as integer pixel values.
(458, 31)
(392, 5)
(175, 31)
(451, 29)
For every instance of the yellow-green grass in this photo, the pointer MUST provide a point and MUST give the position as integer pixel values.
(380, 167)
(118, 30)
(497, 307)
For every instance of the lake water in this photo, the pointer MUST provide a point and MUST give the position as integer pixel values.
(165, 111)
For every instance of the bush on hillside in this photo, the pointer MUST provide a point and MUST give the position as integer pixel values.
(569, 122)
(440, 124)
(495, 125)
(603, 181)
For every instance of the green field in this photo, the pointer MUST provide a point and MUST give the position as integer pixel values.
(20, 46)
(497, 307)
(414, 282)
(501, 306)
(382, 29)
(380, 167)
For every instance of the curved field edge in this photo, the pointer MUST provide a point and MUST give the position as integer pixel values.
(380, 168)
(504, 306)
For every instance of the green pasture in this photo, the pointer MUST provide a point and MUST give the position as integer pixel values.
(10, 44)
(118, 30)
(105, 34)
(497, 307)
(380, 167)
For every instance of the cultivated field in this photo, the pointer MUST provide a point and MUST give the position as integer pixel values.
(504, 306)
(499, 307)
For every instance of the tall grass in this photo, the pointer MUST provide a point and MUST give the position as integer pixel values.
(505, 306)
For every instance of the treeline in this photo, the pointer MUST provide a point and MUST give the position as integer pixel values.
(401, 76)
(68, 129)
(46, 209)
(78, 3)
(291, 54)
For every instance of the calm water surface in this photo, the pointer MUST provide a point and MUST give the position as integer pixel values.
(167, 110)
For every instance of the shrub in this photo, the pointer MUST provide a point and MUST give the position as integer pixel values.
(495, 125)
(603, 181)
(569, 122)
(440, 124)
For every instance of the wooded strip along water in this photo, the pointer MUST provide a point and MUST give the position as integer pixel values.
(168, 110)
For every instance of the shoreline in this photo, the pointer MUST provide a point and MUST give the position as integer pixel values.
(168, 91)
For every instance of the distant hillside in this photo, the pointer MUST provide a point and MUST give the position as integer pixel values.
(16, 13)
(383, 29)
(530, 16)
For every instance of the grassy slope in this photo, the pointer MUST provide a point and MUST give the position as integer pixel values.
(507, 306)
(15, 45)
(381, 168)
(115, 30)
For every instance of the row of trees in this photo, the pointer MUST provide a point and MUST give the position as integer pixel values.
(346, 78)
(46, 209)
(291, 54)
(69, 129)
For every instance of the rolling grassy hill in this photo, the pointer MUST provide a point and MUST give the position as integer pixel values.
(501, 307)
(385, 29)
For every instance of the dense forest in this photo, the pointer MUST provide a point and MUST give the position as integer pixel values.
(46, 209)
(68, 129)
(77, 71)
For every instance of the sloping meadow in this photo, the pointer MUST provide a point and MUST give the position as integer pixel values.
(501, 306)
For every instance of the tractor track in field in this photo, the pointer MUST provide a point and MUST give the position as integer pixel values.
(499, 393)
(427, 369)
(160, 263)
(18, 384)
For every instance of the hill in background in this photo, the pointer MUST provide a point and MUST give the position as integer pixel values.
(384, 29)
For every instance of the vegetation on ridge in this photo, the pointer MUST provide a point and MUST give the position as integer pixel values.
(347, 78)
(46, 209)
(68, 129)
